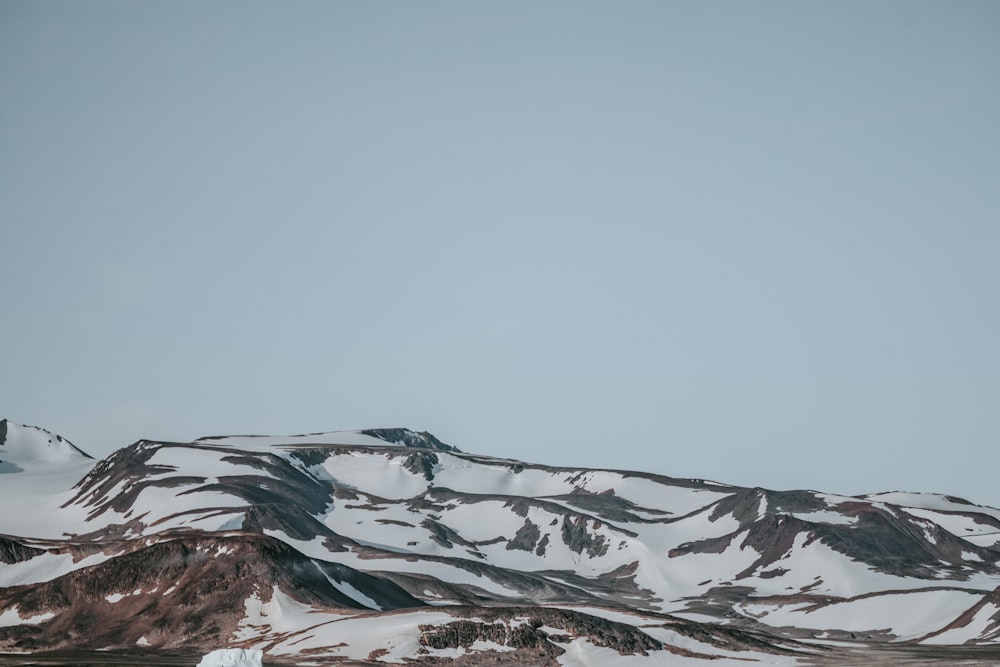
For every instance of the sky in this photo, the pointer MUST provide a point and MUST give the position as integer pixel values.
(751, 242)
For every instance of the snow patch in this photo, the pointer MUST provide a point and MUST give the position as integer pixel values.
(233, 657)
(11, 618)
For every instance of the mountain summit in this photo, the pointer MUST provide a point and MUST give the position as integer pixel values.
(32, 446)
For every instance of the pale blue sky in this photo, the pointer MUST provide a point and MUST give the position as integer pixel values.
(755, 242)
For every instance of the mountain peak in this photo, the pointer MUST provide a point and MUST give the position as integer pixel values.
(408, 438)
(22, 445)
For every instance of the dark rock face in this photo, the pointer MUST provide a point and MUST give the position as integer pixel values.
(526, 538)
(579, 539)
(520, 627)
(14, 552)
(444, 535)
(422, 463)
(408, 438)
(465, 633)
(610, 507)
(890, 541)
(895, 542)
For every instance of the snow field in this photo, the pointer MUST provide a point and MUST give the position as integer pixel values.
(378, 528)
(356, 637)
(44, 567)
(678, 500)
(958, 525)
(233, 657)
(376, 474)
(581, 653)
(986, 620)
(278, 616)
(32, 501)
(928, 501)
(499, 478)
(11, 617)
(908, 615)
(206, 463)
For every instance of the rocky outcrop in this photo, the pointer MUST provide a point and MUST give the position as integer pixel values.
(183, 592)
(408, 438)
(14, 552)
(522, 628)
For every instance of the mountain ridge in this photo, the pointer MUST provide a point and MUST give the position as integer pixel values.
(398, 513)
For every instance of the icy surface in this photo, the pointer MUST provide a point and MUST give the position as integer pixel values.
(982, 621)
(233, 657)
(907, 615)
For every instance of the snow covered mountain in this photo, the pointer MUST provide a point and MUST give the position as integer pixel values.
(388, 545)
(32, 447)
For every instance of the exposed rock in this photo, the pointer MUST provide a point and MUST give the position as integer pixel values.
(526, 538)
(408, 438)
(521, 628)
(578, 538)
(183, 592)
(14, 552)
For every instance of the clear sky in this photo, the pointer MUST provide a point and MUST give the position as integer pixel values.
(753, 242)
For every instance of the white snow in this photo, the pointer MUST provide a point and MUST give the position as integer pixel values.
(11, 617)
(44, 567)
(984, 620)
(233, 657)
(907, 615)
(581, 653)
(29, 447)
(280, 614)
(376, 474)
(826, 516)
(33, 501)
(203, 462)
(989, 540)
(356, 637)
